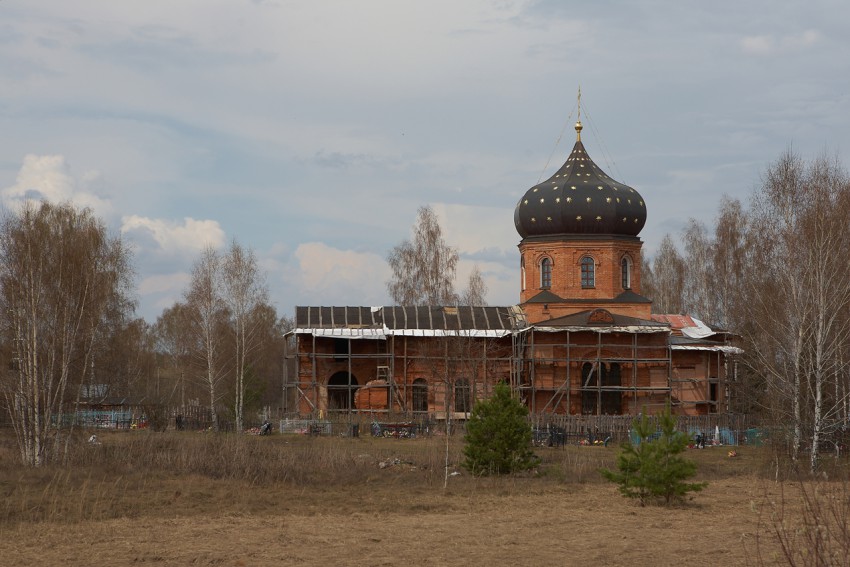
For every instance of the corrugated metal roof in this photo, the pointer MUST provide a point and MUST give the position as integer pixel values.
(689, 343)
(408, 320)
(714, 348)
(677, 322)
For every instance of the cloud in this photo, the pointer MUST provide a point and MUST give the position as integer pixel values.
(191, 236)
(474, 229)
(501, 278)
(328, 275)
(769, 44)
(164, 283)
(757, 44)
(49, 178)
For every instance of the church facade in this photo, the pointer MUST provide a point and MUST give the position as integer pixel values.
(581, 340)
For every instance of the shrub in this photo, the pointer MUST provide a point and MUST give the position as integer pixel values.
(653, 469)
(498, 436)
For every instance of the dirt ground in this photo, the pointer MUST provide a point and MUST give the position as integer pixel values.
(393, 522)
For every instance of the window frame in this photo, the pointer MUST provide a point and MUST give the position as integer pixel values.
(546, 272)
(419, 396)
(588, 272)
(462, 396)
(626, 272)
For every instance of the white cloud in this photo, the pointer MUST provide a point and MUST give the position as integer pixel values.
(804, 39)
(190, 236)
(757, 44)
(329, 275)
(172, 284)
(769, 44)
(473, 229)
(49, 178)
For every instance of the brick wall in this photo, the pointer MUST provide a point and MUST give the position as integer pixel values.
(566, 257)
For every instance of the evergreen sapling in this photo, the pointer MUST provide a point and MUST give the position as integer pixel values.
(654, 469)
(498, 436)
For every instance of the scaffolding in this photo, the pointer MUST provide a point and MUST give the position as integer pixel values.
(560, 373)
(377, 362)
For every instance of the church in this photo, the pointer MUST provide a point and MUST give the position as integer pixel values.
(582, 340)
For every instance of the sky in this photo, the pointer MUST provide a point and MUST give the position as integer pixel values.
(312, 131)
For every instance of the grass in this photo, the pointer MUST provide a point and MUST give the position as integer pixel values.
(144, 476)
(143, 472)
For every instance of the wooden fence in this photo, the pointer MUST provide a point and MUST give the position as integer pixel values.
(725, 429)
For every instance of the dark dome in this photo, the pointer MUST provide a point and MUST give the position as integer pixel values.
(580, 199)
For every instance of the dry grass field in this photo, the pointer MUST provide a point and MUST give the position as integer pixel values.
(199, 499)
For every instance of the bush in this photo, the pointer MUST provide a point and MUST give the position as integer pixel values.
(653, 469)
(498, 436)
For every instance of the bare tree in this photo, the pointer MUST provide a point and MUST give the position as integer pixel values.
(244, 291)
(424, 267)
(699, 288)
(798, 294)
(174, 343)
(60, 274)
(206, 312)
(668, 270)
(647, 279)
(476, 290)
(729, 264)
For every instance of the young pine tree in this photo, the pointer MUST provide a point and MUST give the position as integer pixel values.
(654, 469)
(498, 436)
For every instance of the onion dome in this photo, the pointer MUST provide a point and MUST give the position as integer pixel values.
(579, 199)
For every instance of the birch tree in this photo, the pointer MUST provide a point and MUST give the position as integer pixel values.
(699, 289)
(206, 313)
(60, 274)
(174, 343)
(476, 289)
(729, 263)
(423, 269)
(777, 303)
(800, 293)
(244, 292)
(668, 271)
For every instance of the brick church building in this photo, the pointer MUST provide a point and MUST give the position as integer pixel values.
(581, 340)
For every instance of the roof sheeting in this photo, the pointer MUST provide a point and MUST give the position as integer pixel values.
(600, 321)
(713, 348)
(430, 321)
(686, 325)
(688, 343)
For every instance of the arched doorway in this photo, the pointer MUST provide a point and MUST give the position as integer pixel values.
(420, 396)
(594, 400)
(341, 388)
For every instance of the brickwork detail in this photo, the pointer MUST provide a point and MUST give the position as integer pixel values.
(566, 275)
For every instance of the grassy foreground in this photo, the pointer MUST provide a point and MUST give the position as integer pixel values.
(126, 473)
(177, 498)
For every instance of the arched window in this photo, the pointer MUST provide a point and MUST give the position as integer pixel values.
(600, 389)
(626, 268)
(341, 388)
(545, 273)
(462, 398)
(588, 275)
(420, 396)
